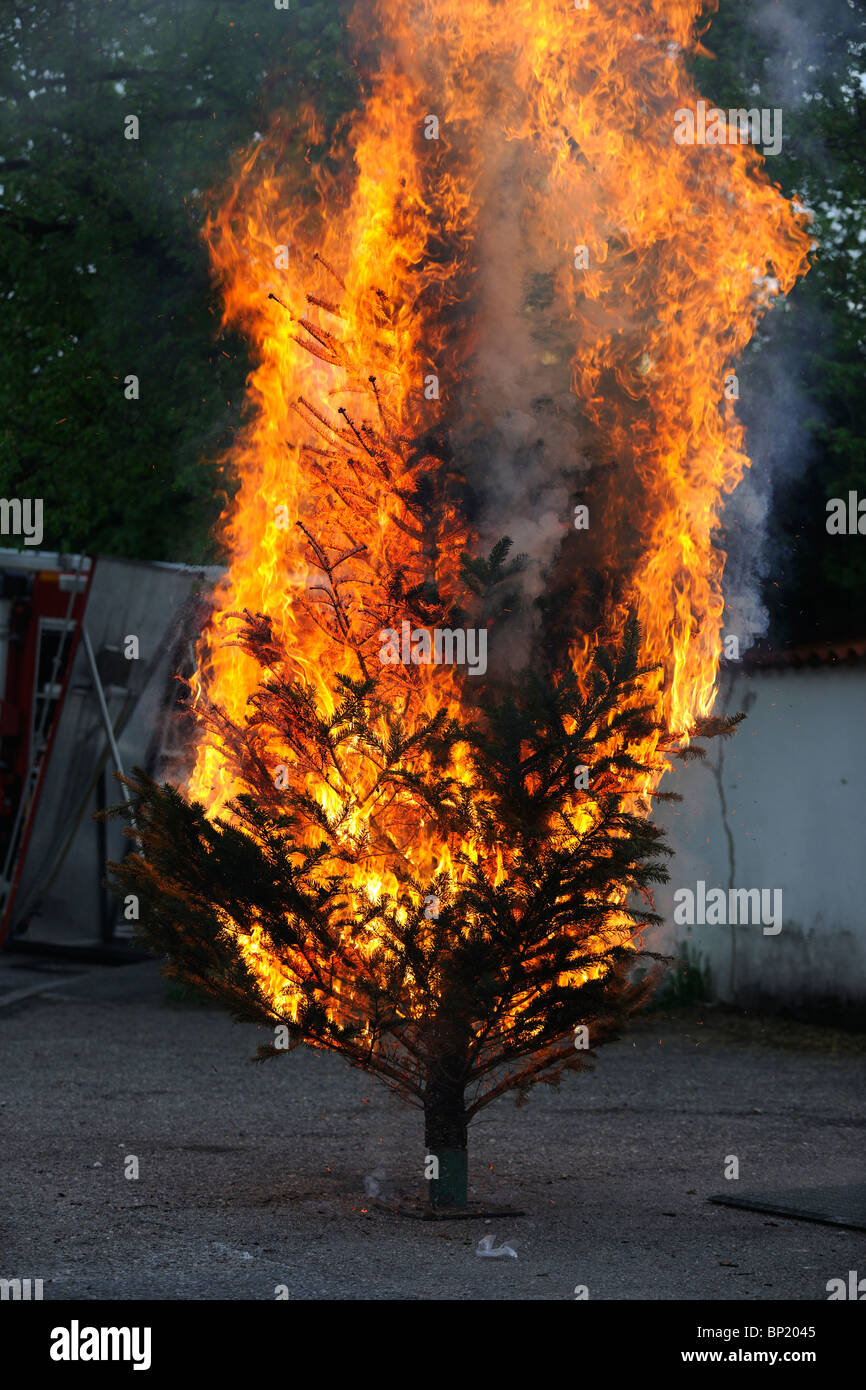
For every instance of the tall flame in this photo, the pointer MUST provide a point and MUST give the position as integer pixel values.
(495, 140)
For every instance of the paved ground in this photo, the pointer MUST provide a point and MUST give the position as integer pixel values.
(253, 1176)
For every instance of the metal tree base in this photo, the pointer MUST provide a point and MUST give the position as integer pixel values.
(449, 1196)
(450, 1185)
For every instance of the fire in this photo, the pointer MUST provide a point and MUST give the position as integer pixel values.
(492, 136)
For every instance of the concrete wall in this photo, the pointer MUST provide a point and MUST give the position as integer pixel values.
(780, 805)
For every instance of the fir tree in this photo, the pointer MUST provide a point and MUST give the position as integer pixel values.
(433, 876)
(452, 991)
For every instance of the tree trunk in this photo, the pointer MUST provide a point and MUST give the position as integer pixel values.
(445, 1137)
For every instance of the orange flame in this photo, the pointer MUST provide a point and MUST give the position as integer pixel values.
(553, 130)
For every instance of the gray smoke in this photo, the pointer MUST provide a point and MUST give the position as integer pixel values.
(805, 45)
(523, 442)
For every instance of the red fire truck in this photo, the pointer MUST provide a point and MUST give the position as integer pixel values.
(92, 657)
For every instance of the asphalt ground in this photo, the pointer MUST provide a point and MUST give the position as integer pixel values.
(252, 1176)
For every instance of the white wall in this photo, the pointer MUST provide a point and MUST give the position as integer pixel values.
(791, 788)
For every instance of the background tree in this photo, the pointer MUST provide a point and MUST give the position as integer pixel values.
(104, 270)
(803, 404)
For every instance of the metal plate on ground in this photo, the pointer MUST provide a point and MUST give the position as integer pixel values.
(842, 1205)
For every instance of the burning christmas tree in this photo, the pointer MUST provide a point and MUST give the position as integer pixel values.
(419, 814)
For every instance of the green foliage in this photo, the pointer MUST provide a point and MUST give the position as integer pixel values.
(687, 982)
(104, 270)
(493, 982)
(810, 355)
